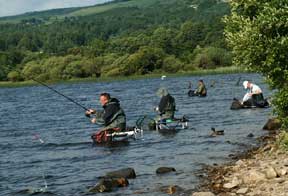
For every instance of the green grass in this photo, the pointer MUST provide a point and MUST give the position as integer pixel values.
(220, 70)
(5, 84)
(282, 140)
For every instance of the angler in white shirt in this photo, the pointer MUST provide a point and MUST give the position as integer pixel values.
(252, 91)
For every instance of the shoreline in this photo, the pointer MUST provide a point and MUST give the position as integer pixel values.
(220, 70)
(260, 171)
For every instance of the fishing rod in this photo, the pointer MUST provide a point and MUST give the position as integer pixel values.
(73, 101)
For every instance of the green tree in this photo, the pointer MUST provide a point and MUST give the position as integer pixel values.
(14, 76)
(211, 57)
(145, 60)
(74, 69)
(27, 43)
(163, 38)
(189, 36)
(2, 73)
(257, 31)
(97, 47)
(171, 64)
(32, 70)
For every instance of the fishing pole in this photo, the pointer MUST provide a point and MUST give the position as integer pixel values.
(73, 101)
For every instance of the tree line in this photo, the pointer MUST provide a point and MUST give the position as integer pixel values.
(257, 31)
(170, 36)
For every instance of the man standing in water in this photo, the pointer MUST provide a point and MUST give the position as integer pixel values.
(113, 117)
(167, 106)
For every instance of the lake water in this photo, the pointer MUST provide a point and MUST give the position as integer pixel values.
(69, 162)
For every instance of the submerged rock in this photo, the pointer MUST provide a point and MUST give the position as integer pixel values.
(163, 170)
(108, 185)
(122, 173)
(236, 105)
(250, 135)
(272, 124)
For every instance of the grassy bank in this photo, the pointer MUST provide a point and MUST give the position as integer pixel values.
(220, 70)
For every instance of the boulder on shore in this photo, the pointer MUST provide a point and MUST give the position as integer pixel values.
(171, 189)
(272, 124)
(203, 194)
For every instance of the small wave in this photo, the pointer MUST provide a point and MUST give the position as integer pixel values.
(34, 191)
(70, 144)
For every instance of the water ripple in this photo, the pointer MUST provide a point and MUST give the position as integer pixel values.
(71, 163)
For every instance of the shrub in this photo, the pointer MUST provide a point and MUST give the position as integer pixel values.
(282, 140)
(172, 64)
(14, 76)
(211, 57)
(31, 70)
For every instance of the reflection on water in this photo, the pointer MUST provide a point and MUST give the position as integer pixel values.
(71, 162)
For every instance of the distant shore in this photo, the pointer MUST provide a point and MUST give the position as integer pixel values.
(220, 70)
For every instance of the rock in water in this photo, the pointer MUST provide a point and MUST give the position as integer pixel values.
(108, 184)
(250, 135)
(163, 170)
(122, 173)
(236, 104)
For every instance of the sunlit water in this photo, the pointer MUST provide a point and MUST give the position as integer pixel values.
(70, 163)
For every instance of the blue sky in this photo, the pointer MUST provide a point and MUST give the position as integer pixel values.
(15, 7)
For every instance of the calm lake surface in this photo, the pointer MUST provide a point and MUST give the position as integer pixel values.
(69, 162)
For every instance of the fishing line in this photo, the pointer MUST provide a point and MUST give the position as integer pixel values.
(73, 101)
(54, 90)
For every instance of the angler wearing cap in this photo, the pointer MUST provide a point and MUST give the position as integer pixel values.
(167, 106)
(254, 96)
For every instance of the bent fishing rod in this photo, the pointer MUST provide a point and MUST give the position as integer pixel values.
(71, 100)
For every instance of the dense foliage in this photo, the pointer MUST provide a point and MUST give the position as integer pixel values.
(257, 31)
(141, 37)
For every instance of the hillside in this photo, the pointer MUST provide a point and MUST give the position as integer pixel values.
(50, 15)
(115, 38)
